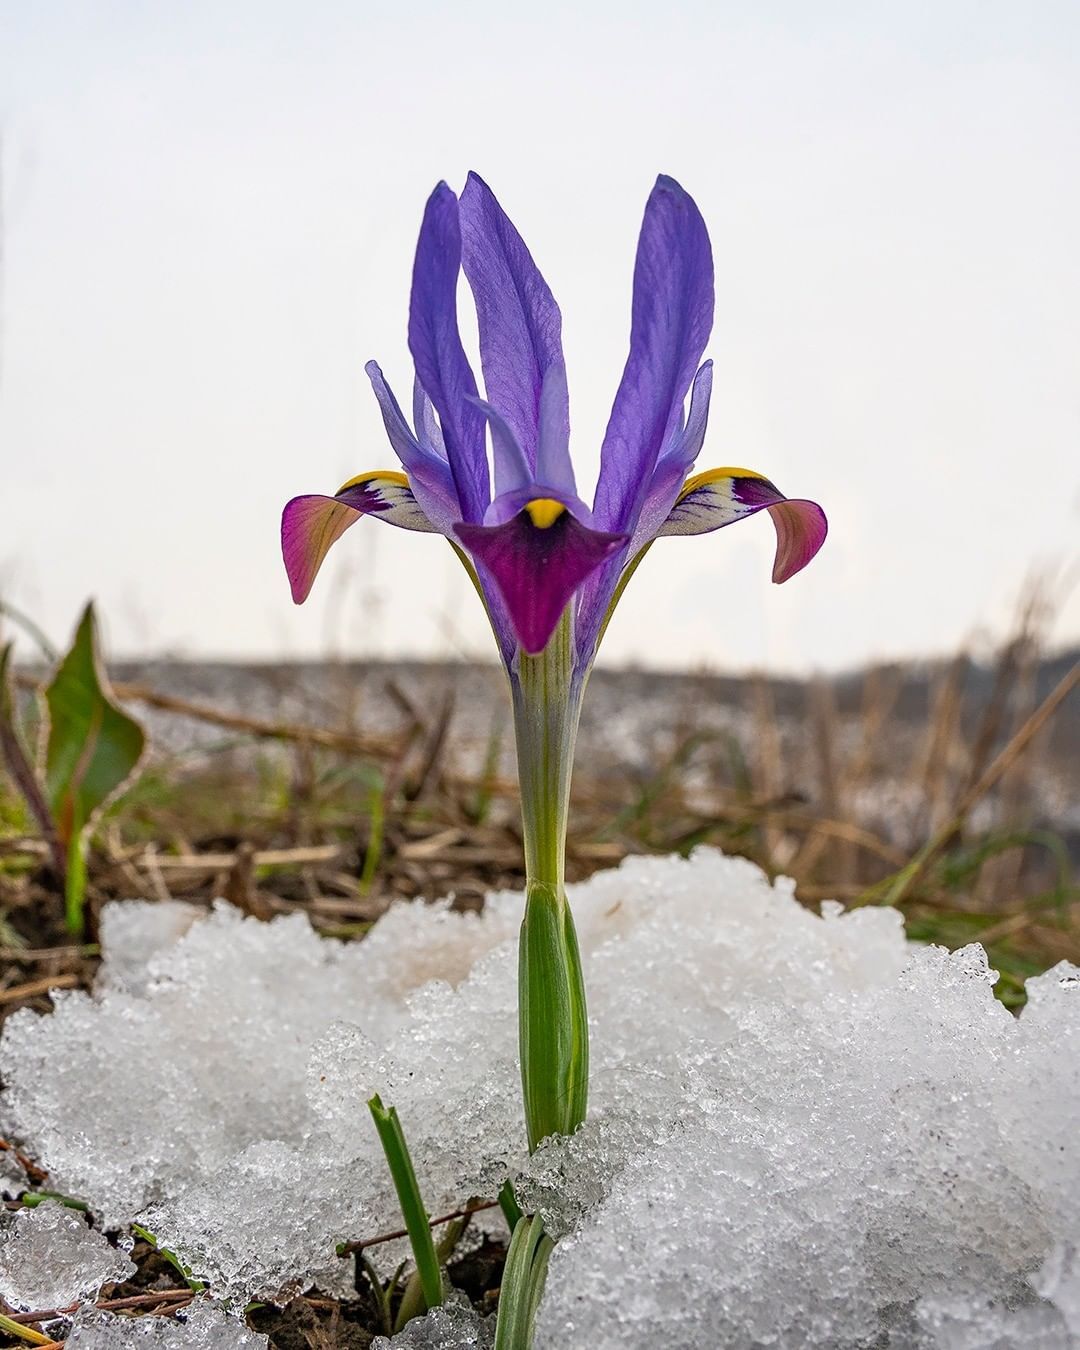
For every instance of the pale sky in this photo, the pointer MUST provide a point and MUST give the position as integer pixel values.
(210, 211)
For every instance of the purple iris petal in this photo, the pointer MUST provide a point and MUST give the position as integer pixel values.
(520, 333)
(553, 452)
(537, 570)
(512, 469)
(671, 319)
(685, 445)
(429, 473)
(441, 364)
(428, 431)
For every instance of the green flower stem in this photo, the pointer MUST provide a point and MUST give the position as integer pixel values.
(522, 1284)
(553, 1022)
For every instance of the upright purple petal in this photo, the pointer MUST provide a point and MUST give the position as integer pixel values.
(520, 332)
(428, 471)
(671, 320)
(435, 342)
(675, 463)
(511, 467)
(686, 445)
(428, 431)
(553, 464)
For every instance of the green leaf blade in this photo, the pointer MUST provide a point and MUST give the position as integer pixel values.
(93, 746)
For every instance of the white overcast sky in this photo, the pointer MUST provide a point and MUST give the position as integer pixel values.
(209, 217)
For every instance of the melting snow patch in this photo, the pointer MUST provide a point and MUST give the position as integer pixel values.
(803, 1131)
(51, 1258)
(451, 1327)
(199, 1327)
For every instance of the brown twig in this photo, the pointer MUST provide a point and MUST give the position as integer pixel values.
(33, 954)
(43, 986)
(173, 1297)
(347, 1248)
(31, 1168)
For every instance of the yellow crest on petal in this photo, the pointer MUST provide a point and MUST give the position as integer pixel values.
(700, 480)
(389, 475)
(543, 512)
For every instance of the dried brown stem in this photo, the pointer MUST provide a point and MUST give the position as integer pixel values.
(35, 987)
(347, 1248)
(32, 1170)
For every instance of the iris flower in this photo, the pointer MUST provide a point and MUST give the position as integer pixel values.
(548, 567)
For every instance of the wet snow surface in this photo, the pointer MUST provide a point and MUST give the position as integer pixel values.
(803, 1131)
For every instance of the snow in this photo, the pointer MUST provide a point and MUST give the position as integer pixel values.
(202, 1326)
(803, 1131)
(451, 1327)
(50, 1258)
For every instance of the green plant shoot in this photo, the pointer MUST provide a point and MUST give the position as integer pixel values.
(92, 750)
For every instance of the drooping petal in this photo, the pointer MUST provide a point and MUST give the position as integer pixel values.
(311, 524)
(719, 497)
(671, 320)
(435, 342)
(429, 473)
(538, 559)
(520, 332)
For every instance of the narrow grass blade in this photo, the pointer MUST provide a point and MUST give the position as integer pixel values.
(392, 1138)
(12, 1328)
(196, 1286)
(412, 1300)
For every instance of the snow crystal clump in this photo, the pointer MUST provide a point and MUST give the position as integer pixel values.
(133, 932)
(50, 1258)
(199, 1327)
(454, 1326)
(803, 1130)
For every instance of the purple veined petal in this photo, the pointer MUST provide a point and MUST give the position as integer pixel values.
(671, 320)
(538, 559)
(512, 470)
(501, 624)
(428, 431)
(429, 474)
(669, 476)
(312, 524)
(683, 446)
(441, 364)
(686, 445)
(722, 496)
(520, 329)
(553, 464)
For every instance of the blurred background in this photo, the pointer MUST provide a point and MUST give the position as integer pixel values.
(208, 219)
(209, 213)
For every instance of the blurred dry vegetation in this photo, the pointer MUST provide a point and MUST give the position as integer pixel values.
(947, 789)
